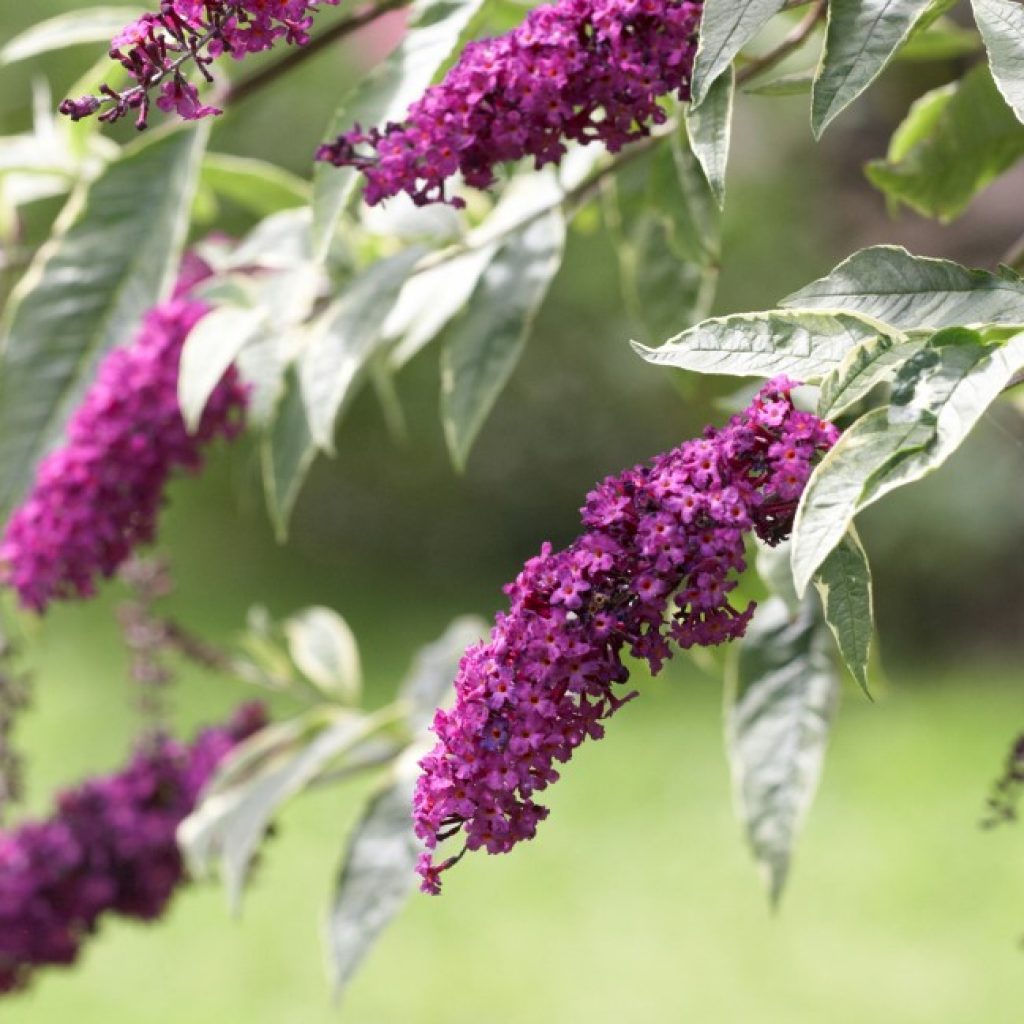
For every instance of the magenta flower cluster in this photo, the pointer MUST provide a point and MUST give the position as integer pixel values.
(109, 847)
(656, 565)
(96, 498)
(576, 70)
(157, 48)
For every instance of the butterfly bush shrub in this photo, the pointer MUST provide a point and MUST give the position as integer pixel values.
(318, 298)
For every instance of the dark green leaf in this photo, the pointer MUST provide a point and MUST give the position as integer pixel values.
(860, 39)
(726, 26)
(483, 347)
(710, 130)
(805, 344)
(432, 31)
(1002, 27)
(784, 693)
(954, 142)
(844, 585)
(87, 290)
(909, 292)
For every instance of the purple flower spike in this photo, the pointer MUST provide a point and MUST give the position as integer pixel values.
(108, 848)
(663, 546)
(96, 498)
(576, 70)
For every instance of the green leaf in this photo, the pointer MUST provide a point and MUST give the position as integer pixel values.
(87, 290)
(229, 824)
(377, 876)
(710, 129)
(89, 25)
(210, 348)
(795, 84)
(964, 136)
(345, 339)
(430, 681)
(806, 344)
(784, 690)
(872, 362)
(287, 450)
(844, 585)
(483, 347)
(726, 26)
(432, 32)
(1002, 27)
(943, 40)
(938, 397)
(909, 292)
(860, 39)
(324, 649)
(260, 187)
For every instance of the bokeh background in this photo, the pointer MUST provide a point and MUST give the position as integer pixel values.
(638, 901)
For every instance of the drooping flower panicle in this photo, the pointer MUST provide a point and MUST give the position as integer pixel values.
(656, 565)
(157, 49)
(576, 70)
(109, 847)
(96, 498)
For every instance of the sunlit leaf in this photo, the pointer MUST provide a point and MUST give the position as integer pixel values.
(805, 344)
(88, 25)
(872, 362)
(964, 136)
(909, 292)
(1002, 27)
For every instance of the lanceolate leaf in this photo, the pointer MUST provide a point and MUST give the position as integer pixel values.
(784, 693)
(806, 344)
(378, 873)
(87, 291)
(870, 363)
(861, 38)
(432, 32)
(844, 585)
(909, 292)
(938, 397)
(964, 136)
(710, 130)
(1002, 27)
(287, 450)
(345, 339)
(726, 26)
(89, 25)
(261, 187)
(484, 345)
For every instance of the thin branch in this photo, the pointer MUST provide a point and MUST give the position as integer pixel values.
(791, 43)
(246, 87)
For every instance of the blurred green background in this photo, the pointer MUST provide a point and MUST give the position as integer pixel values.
(638, 900)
